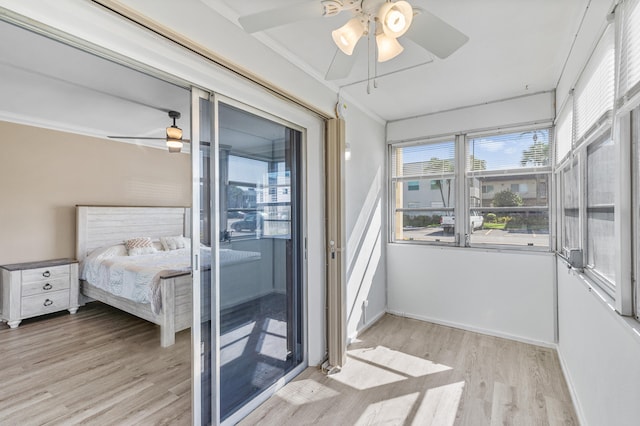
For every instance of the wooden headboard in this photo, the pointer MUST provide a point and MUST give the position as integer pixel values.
(98, 226)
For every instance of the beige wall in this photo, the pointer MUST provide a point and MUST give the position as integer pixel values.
(45, 173)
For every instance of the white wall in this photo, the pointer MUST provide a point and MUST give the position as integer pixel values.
(526, 109)
(365, 221)
(508, 294)
(502, 292)
(599, 350)
(600, 354)
(89, 22)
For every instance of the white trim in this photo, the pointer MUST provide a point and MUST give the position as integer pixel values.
(353, 336)
(480, 330)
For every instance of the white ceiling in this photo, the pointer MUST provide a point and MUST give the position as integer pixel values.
(50, 84)
(516, 47)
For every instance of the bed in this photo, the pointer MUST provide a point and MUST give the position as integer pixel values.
(154, 285)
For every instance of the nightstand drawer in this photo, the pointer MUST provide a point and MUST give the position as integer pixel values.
(45, 274)
(42, 287)
(44, 303)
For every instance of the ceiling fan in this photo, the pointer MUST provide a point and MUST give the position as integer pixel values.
(173, 135)
(391, 19)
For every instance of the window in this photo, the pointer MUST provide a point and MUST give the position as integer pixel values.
(635, 143)
(519, 188)
(571, 206)
(423, 191)
(601, 246)
(516, 166)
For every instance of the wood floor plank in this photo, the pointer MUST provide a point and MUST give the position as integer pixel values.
(403, 371)
(100, 366)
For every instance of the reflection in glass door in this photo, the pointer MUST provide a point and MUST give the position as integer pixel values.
(251, 204)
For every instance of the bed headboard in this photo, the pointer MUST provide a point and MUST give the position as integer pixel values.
(98, 226)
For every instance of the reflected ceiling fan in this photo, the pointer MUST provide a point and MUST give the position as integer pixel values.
(173, 135)
(391, 19)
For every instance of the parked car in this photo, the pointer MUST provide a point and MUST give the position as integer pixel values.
(250, 222)
(235, 214)
(448, 223)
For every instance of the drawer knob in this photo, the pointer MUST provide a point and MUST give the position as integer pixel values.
(47, 286)
(46, 274)
(48, 302)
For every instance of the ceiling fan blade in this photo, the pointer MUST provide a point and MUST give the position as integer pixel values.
(136, 137)
(145, 138)
(280, 16)
(434, 34)
(341, 65)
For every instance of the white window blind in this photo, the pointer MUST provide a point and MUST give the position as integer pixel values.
(429, 159)
(594, 91)
(564, 132)
(510, 151)
(629, 57)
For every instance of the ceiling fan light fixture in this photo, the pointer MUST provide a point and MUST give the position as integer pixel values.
(347, 36)
(174, 132)
(174, 145)
(395, 18)
(388, 47)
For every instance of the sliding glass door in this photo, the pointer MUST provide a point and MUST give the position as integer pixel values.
(251, 295)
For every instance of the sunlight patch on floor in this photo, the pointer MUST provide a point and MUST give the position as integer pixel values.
(440, 405)
(306, 391)
(398, 361)
(362, 375)
(393, 411)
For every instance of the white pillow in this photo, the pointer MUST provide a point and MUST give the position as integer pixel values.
(139, 245)
(173, 243)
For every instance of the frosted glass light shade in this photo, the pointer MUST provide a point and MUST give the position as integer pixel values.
(388, 47)
(346, 37)
(174, 132)
(174, 145)
(395, 18)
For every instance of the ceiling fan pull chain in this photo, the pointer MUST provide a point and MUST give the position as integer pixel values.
(369, 62)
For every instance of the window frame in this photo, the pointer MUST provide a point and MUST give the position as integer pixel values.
(462, 208)
(392, 189)
(530, 171)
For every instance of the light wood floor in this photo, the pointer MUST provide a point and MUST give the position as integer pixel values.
(99, 367)
(407, 372)
(104, 367)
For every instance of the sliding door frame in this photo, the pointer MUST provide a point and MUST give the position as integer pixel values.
(302, 244)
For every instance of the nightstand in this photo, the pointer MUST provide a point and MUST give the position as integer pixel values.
(37, 288)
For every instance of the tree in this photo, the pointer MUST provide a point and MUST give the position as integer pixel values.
(507, 198)
(537, 154)
(439, 166)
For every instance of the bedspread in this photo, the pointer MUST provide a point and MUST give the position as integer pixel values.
(137, 278)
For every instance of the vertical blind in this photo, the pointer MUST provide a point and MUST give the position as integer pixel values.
(629, 56)
(594, 92)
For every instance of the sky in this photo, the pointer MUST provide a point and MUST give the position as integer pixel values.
(499, 151)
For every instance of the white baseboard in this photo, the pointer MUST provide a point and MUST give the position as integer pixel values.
(572, 390)
(476, 329)
(373, 320)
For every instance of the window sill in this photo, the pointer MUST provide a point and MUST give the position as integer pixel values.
(490, 248)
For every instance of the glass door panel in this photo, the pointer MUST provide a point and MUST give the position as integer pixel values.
(259, 284)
